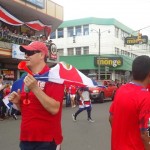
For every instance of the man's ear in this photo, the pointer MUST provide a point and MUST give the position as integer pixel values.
(42, 55)
(148, 76)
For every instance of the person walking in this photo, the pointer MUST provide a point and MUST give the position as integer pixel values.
(130, 111)
(84, 103)
(40, 102)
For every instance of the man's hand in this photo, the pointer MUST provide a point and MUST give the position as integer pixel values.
(14, 97)
(30, 82)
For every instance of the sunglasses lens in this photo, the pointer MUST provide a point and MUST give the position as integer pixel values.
(30, 53)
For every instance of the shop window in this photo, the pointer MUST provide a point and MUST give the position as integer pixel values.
(86, 50)
(78, 51)
(70, 51)
(61, 52)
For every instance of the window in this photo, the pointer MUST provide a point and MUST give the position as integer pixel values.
(61, 52)
(116, 32)
(116, 51)
(60, 33)
(122, 35)
(70, 51)
(78, 51)
(122, 52)
(85, 50)
(78, 30)
(53, 35)
(70, 32)
(86, 30)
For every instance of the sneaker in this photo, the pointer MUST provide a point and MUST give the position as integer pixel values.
(14, 116)
(73, 117)
(90, 120)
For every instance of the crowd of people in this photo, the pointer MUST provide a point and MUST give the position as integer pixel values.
(13, 35)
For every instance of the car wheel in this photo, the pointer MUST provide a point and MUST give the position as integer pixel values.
(102, 98)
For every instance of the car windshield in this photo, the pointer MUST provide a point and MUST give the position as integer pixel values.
(99, 82)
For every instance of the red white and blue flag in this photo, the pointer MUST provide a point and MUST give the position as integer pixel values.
(66, 74)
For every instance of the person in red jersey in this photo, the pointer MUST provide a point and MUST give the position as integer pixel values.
(130, 110)
(40, 103)
(72, 91)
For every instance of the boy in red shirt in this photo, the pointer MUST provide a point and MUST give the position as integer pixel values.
(130, 111)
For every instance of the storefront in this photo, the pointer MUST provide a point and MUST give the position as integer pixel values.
(114, 67)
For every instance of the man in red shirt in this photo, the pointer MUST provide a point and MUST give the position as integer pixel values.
(40, 103)
(130, 111)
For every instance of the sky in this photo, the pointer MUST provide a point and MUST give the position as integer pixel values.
(132, 13)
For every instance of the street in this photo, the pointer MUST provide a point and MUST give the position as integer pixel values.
(79, 135)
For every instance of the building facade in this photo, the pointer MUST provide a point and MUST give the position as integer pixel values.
(45, 13)
(101, 38)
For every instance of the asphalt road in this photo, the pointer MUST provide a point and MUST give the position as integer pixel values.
(79, 135)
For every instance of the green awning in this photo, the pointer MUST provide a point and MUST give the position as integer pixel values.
(86, 62)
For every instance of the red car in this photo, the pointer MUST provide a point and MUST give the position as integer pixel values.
(105, 90)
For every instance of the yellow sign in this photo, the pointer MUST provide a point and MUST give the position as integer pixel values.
(136, 40)
(108, 61)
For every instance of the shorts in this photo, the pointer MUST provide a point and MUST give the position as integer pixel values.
(72, 95)
(26, 145)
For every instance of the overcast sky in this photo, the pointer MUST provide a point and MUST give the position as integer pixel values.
(132, 13)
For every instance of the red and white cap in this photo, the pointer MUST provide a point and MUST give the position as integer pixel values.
(34, 46)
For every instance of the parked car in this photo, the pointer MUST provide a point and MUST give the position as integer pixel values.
(105, 90)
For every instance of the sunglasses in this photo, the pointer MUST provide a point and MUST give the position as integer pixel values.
(30, 53)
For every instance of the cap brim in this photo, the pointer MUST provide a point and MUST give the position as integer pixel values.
(24, 48)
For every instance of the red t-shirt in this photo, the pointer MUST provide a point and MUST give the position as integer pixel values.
(37, 123)
(72, 89)
(130, 111)
(7, 91)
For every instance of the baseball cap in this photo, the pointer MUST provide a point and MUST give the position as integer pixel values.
(34, 46)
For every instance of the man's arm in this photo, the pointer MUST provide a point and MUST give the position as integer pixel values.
(145, 139)
(14, 97)
(50, 104)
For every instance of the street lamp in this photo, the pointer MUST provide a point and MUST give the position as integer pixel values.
(99, 49)
(99, 54)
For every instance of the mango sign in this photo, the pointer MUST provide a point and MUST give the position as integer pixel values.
(135, 40)
(108, 61)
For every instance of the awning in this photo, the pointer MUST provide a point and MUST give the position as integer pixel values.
(8, 18)
(37, 25)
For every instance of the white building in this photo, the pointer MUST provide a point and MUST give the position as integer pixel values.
(77, 39)
(85, 32)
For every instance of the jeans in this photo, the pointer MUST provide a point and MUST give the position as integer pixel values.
(88, 109)
(25, 145)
